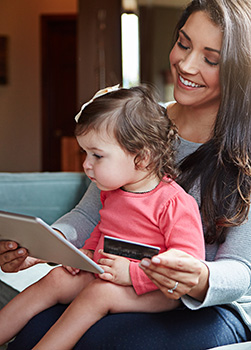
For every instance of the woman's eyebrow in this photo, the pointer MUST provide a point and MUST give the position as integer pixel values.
(206, 48)
(185, 35)
(213, 50)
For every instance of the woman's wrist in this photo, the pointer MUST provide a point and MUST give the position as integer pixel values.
(200, 290)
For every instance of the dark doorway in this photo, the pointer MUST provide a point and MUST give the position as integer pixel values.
(59, 85)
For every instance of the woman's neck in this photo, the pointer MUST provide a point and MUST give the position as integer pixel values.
(194, 124)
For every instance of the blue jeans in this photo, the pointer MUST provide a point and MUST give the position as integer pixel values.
(180, 329)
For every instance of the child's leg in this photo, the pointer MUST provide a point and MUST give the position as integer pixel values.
(58, 286)
(94, 302)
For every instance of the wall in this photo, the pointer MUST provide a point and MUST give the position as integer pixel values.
(168, 3)
(165, 20)
(20, 99)
(157, 25)
(99, 46)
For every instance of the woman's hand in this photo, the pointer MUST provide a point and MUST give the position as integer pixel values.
(177, 266)
(116, 269)
(13, 258)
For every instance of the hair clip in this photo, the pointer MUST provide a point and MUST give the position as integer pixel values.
(98, 94)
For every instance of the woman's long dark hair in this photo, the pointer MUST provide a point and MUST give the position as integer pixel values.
(223, 164)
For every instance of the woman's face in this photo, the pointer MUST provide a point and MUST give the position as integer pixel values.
(195, 61)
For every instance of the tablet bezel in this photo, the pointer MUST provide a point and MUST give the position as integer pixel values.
(43, 242)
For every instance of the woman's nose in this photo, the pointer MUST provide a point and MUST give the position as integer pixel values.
(189, 64)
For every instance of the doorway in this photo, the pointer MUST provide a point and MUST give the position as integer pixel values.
(59, 86)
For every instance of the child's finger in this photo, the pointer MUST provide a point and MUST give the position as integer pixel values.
(110, 256)
(106, 276)
(105, 262)
(72, 270)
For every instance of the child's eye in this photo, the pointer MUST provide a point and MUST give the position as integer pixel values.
(182, 46)
(97, 156)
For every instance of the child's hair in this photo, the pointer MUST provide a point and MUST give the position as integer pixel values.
(139, 124)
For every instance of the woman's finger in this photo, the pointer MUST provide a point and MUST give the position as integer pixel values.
(172, 261)
(174, 291)
(5, 246)
(11, 255)
(164, 276)
(14, 265)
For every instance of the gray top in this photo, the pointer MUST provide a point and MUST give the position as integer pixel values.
(229, 264)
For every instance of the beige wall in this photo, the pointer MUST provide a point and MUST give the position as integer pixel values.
(168, 3)
(20, 99)
(165, 20)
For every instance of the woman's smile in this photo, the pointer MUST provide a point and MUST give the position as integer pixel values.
(188, 83)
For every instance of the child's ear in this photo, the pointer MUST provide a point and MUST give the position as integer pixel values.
(144, 159)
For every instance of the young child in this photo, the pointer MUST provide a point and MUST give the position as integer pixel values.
(129, 145)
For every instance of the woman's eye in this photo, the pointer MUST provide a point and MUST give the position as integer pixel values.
(182, 46)
(210, 62)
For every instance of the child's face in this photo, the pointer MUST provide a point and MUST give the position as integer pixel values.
(106, 163)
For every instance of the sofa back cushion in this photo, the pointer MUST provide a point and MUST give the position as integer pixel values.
(46, 195)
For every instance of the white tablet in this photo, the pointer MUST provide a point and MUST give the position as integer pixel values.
(43, 242)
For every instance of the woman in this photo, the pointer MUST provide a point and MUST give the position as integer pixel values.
(210, 63)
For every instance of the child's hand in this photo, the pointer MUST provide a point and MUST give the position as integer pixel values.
(72, 270)
(116, 269)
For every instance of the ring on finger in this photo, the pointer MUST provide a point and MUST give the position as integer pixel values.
(173, 289)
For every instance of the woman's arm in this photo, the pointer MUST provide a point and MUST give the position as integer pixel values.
(78, 224)
(230, 269)
(223, 279)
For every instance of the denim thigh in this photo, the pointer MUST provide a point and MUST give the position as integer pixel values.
(180, 329)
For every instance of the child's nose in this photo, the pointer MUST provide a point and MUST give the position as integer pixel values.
(87, 164)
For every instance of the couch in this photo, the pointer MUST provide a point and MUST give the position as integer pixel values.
(49, 196)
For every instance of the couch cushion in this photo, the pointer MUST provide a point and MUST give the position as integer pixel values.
(47, 195)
